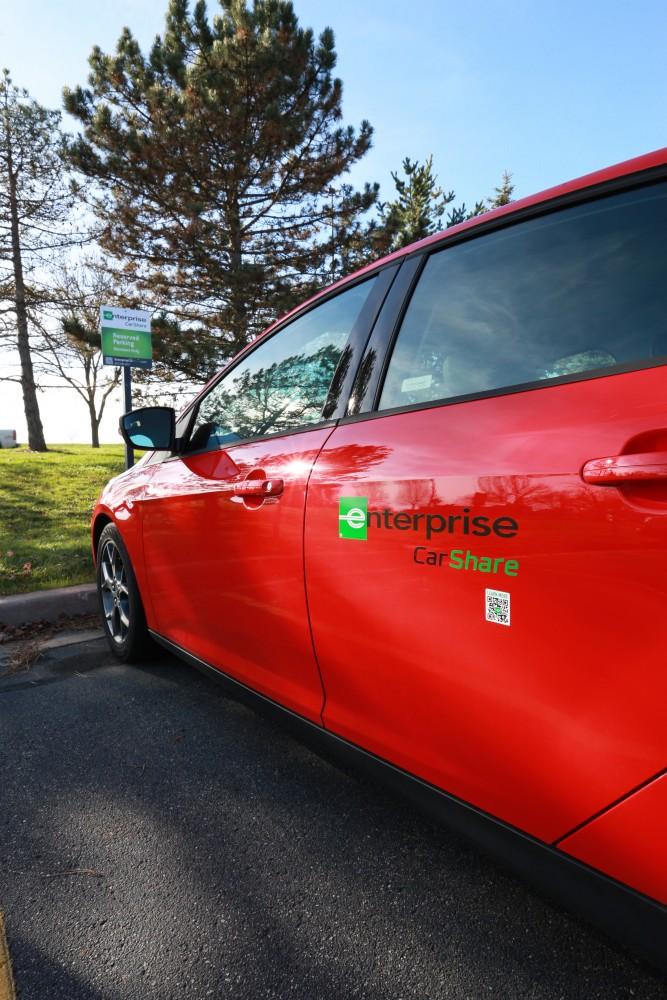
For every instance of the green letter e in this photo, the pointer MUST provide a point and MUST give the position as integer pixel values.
(353, 518)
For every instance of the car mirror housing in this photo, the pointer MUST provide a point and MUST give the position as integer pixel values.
(151, 427)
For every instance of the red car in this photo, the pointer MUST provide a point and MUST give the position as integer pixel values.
(424, 518)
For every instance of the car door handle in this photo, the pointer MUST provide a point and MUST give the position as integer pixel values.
(650, 466)
(258, 488)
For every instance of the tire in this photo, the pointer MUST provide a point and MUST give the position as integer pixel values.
(121, 609)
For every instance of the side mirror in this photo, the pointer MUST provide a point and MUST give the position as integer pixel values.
(150, 427)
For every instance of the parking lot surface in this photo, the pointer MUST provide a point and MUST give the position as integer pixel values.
(158, 840)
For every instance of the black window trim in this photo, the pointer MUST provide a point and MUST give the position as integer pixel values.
(510, 390)
(301, 429)
(358, 336)
(385, 329)
(390, 326)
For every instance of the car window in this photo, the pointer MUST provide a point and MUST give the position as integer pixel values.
(571, 293)
(283, 384)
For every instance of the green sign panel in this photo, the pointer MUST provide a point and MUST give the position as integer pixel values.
(126, 337)
(353, 518)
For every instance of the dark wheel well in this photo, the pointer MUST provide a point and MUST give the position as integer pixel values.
(100, 524)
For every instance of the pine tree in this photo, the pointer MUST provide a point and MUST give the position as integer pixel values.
(418, 209)
(462, 214)
(34, 206)
(503, 194)
(214, 158)
(417, 212)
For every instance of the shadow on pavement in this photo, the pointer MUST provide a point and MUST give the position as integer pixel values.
(236, 863)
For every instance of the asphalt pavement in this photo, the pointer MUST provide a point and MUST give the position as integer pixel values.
(158, 840)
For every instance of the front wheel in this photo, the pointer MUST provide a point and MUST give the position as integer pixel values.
(120, 602)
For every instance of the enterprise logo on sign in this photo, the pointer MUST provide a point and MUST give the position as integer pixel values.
(126, 337)
(352, 518)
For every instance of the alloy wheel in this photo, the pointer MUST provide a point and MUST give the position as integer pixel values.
(114, 592)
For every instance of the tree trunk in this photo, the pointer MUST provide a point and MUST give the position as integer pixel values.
(31, 406)
(238, 291)
(94, 425)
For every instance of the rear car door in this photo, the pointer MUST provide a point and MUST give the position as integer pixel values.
(223, 519)
(487, 597)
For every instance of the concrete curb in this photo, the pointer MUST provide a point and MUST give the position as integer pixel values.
(48, 605)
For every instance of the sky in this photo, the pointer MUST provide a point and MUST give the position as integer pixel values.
(547, 90)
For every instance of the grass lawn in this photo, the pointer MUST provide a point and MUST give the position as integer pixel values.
(45, 506)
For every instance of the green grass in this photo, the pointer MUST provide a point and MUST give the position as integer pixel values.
(45, 506)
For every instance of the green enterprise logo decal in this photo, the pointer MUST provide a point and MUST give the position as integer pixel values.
(353, 518)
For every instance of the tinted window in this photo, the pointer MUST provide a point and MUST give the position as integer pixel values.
(283, 384)
(575, 292)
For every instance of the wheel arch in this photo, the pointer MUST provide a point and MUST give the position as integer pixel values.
(99, 524)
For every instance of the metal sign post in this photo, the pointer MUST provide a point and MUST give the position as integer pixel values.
(126, 343)
(127, 401)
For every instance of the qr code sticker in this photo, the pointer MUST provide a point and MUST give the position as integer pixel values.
(498, 607)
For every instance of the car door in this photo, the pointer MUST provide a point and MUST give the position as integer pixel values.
(223, 519)
(486, 545)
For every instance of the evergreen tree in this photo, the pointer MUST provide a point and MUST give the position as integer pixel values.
(462, 214)
(416, 212)
(214, 158)
(418, 209)
(503, 194)
(34, 206)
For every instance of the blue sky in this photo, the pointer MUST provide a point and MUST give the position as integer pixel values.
(548, 90)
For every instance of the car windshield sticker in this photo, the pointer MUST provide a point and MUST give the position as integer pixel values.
(416, 382)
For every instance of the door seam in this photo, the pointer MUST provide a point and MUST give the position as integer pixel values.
(305, 582)
(608, 808)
